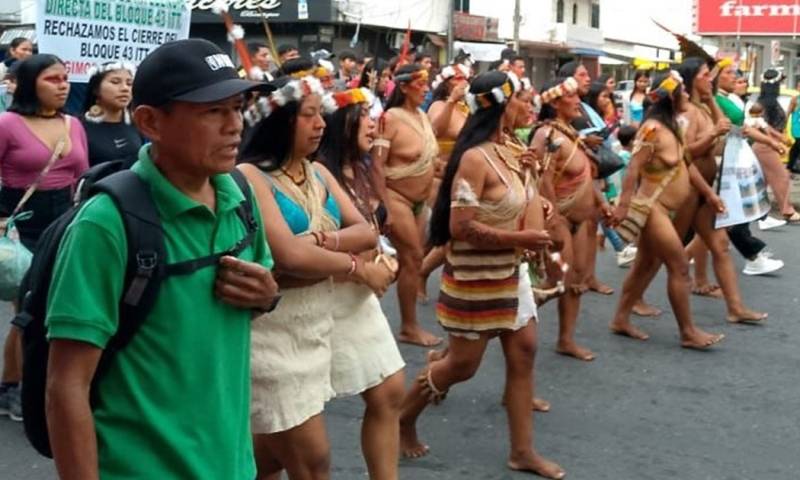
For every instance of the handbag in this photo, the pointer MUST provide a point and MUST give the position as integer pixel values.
(15, 259)
(639, 210)
(607, 161)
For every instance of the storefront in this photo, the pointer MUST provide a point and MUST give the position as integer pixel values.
(759, 33)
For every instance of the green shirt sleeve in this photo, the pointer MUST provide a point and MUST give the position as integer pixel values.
(261, 250)
(83, 302)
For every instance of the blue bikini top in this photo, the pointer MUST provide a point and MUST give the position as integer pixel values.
(295, 216)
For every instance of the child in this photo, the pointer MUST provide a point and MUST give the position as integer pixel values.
(625, 253)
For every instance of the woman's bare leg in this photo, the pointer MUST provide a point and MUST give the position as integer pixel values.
(433, 260)
(520, 349)
(698, 251)
(380, 429)
(718, 244)
(303, 451)
(591, 281)
(569, 304)
(12, 357)
(778, 178)
(459, 364)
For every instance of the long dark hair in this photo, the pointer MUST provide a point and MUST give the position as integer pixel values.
(663, 110)
(378, 66)
(93, 87)
(442, 91)
(595, 90)
(636, 76)
(774, 114)
(339, 146)
(270, 142)
(688, 70)
(479, 128)
(26, 101)
(398, 98)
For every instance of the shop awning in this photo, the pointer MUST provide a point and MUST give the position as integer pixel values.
(482, 52)
(611, 61)
(11, 33)
(588, 52)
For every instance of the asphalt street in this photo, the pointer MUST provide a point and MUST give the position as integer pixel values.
(642, 410)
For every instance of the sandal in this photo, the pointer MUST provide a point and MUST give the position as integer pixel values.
(794, 218)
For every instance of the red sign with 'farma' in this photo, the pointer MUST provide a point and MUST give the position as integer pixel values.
(748, 17)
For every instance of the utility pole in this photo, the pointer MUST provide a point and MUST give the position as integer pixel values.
(517, 20)
(450, 54)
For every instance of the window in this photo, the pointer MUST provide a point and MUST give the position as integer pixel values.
(560, 11)
(574, 13)
(462, 6)
(595, 15)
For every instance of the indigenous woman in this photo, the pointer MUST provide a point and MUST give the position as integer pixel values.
(448, 114)
(480, 208)
(366, 360)
(106, 116)
(567, 183)
(705, 127)
(313, 228)
(19, 49)
(773, 123)
(658, 166)
(403, 157)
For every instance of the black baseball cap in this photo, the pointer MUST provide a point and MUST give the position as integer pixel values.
(193, 70)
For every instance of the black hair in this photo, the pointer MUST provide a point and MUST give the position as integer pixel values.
(347, 55)
(626, 134)
(595, 90)
(286, 48)
(16, 42)
(479, 128)
(496, 64)
(93, 87)
(663, 110)
(377, 65)
(398, 97)
(636, 76)
(517, 58)
(420, 56)
(254, 47)
(569, 69)
(774, 114)
(688, 70)
(296, 65)
(508, 54)
(26, 101)
(548, 111)
(269, 144)
(339, 149)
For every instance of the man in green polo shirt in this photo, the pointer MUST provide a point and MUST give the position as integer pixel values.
(174, 403)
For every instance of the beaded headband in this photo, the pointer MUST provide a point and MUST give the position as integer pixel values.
(451, 71)
(334, 101)
(667, 86)
(294, 91)
(109, 67)
(410, 77)
(569, 85)
(501, 94)
(778, 78)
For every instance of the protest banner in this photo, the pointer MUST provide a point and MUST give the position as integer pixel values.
(84, 33)
(741, 184)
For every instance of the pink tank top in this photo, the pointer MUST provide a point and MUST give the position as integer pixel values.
(23, 156)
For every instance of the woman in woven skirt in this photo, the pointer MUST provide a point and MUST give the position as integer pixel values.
(480, 208)
(315, 232)
(366, 360)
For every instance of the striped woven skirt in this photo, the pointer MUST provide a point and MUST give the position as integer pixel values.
(477, 305)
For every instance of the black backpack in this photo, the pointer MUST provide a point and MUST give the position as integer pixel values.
(146, 269)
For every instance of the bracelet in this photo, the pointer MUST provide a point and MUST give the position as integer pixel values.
(317, 241)
(353, 264)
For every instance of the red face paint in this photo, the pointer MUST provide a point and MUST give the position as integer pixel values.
(56, 79)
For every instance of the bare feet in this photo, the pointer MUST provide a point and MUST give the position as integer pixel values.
(573, 350)
(747, 316)
(420, 337)
(535, 463)
(628, 330)
(699, 340)
(540, 405)
(596, 285)
(707, 290)
(410, 446)
(643, 309)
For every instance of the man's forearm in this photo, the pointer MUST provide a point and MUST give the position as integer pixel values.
(72, 433)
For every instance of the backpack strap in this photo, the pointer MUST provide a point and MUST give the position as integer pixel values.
(146, 250)
(245, 212)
